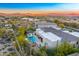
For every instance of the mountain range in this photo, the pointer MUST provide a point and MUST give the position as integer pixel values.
(38, 14)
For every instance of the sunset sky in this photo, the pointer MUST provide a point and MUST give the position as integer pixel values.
(62, 8)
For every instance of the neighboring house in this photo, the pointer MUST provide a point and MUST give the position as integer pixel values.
(27, 19)
(2, 18)
(41, 24)
(8, 25)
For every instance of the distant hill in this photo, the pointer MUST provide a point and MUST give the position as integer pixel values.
(41, 14)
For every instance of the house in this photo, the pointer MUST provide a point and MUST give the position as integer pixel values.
(8, 25)
(42, 24)
(51, 39)
(27, 19)
(65, 36)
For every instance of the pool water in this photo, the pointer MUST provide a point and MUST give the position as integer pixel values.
(32, 38)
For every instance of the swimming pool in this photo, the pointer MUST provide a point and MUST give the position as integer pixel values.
(32, 38)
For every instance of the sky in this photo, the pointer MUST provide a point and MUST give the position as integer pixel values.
(42, 6)
(36, 7)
